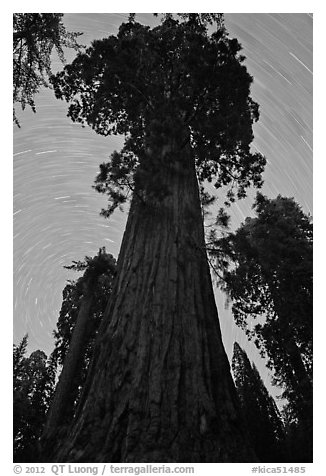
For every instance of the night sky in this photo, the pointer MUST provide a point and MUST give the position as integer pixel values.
(56, 211)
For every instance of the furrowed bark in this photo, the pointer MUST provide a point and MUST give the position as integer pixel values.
(159, 388)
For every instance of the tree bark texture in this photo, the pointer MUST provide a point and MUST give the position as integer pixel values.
(159, 388)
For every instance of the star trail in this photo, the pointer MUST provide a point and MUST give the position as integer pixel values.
(56, 211)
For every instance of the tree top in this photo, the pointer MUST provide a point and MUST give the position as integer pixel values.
(182, 82)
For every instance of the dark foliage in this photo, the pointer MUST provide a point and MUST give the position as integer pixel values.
(172, 84)
(262, 416)
(266, 269)
(299, 437)
(33, 385)
(34, 37)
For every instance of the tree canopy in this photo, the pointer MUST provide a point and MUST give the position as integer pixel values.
(35, 36)
(182, 82)
(266, 269)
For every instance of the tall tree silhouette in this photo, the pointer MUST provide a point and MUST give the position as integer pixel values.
(33, 385)
(159, 386)
(263, 418)
(72, 299)
(80, 333)
(270, 278)
(34, 37)
(34, 377)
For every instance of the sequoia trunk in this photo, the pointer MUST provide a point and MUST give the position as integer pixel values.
(65, 389)
(159, 388)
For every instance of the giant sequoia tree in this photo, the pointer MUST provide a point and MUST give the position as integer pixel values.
(99, 273)
(159, 386)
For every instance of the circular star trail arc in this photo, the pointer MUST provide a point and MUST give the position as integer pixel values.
(56, 212)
